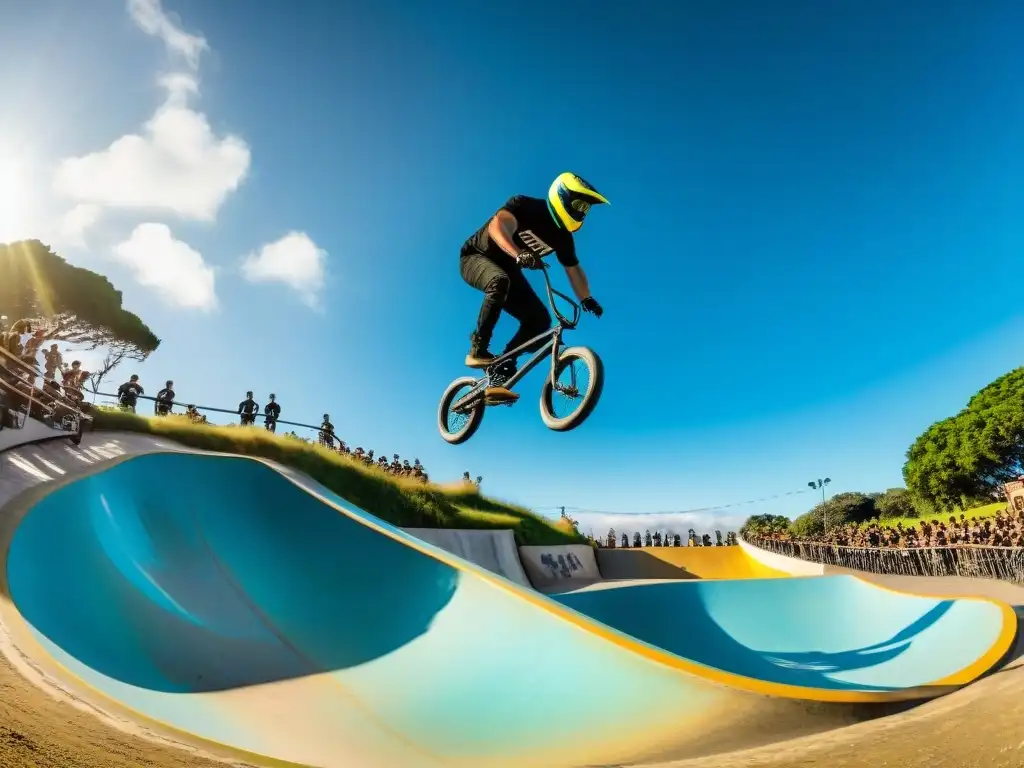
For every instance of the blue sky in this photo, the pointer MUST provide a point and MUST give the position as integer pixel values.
(814, 210)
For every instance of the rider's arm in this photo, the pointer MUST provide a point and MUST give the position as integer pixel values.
(578, 280)
(501, 229)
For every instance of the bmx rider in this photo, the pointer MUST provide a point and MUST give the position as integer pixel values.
(517, 237)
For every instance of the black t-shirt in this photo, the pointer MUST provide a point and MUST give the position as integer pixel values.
(272, 409)
(129, 392)
(536, 231)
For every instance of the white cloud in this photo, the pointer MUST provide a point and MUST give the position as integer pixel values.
(150, 17)
(76, 222)
(177, 165)
(170, 267)
(294, 260)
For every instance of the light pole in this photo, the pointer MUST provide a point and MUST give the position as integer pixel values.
(819, 483)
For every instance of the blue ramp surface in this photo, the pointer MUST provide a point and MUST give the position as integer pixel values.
(221, 599)
(828, 632)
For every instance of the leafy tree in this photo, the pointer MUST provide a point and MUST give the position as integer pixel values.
(611, 538)
(657, 538)
(765, 525)
(894, 503)
(966, 458)
(625, 540)
(677, 540)
(718, 538)
(74, 304)
(637, 541)
(841, 509)
(647, 538)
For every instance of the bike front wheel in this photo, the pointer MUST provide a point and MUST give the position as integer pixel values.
(579, 381)
(458, 426)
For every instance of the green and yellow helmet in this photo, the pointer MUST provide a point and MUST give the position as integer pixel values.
(569, 199)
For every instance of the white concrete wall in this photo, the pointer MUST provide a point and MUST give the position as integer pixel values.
(790, 565)
(494, 550)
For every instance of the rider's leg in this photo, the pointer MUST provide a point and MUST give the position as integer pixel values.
(523, 303)
(485, 275)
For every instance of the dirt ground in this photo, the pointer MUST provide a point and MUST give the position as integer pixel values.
(38, 730)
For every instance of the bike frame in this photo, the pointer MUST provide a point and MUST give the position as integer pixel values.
(554, 336)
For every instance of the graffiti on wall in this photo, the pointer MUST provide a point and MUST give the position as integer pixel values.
(562, 565)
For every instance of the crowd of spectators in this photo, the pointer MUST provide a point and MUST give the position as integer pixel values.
(659, 539)
(1006, 529)
(36, 381)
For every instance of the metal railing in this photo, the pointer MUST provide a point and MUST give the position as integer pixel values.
(1003, 563)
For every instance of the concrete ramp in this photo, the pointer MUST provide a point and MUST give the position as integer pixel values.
(494, 550)
(682, 563)
(221, 601)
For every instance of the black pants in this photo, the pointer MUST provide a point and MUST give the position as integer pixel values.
(505, 287)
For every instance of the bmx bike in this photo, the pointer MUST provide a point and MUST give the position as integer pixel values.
(463, 403)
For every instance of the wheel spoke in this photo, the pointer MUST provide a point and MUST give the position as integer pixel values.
(571, 393)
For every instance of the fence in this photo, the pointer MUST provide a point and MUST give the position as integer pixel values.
(1003, 563)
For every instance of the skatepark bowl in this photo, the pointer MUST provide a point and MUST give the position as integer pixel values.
(226, 603)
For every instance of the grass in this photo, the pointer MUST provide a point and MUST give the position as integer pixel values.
(400, 501)
(988, 510)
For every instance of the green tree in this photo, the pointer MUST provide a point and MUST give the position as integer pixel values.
(894, 503)
(841, 509)
(965, 459)
(74, 304)
(765, 525)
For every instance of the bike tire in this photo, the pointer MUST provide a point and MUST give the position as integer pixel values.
(476, 416)
(590, 399)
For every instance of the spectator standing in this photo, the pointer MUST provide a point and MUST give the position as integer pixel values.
(272, 411)
(327, 431)
(53, 361)
(128, 393)
(165, 400)
(248, 409)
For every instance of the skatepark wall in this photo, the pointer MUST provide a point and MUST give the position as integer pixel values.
(559, 564)
(789, 565)
(683, 563)
(493, 550)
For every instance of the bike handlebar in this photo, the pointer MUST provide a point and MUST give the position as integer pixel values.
(576, 309)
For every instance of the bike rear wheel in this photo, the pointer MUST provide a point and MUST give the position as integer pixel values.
(458, 427)
(579, 375)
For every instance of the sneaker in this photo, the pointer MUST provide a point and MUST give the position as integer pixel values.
(479, 358)
(496, 391)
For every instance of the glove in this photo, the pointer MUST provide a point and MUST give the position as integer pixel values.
(526, 260)
(590, 305)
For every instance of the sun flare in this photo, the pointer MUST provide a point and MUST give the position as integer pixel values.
(15, 200)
